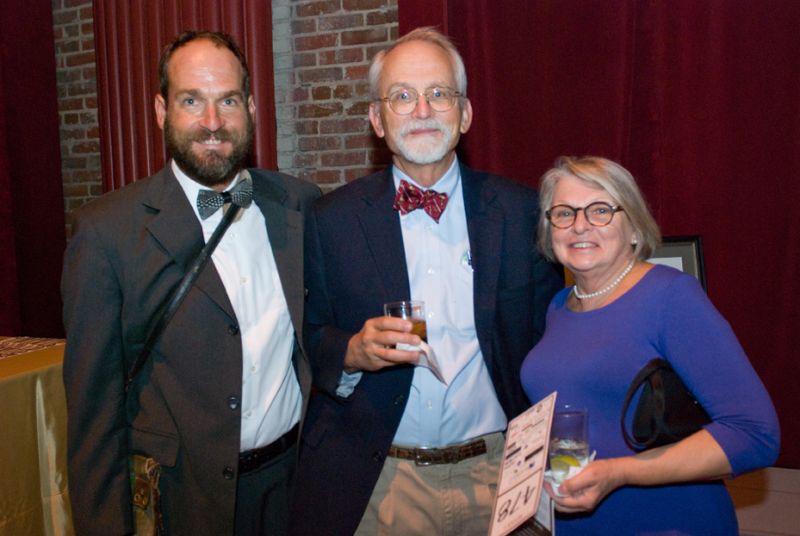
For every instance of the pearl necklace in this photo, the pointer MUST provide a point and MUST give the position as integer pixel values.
(613, 285)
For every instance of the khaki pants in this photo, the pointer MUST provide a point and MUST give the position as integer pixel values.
(445, 500)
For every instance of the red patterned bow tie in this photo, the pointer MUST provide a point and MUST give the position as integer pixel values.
(410, 198)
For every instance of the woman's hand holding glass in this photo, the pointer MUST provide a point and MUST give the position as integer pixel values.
(584, 491)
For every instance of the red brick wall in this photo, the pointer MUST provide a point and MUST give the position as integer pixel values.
(77, 102)
(322, 51)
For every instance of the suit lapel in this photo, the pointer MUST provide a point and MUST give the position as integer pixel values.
(485, 228)
(381, 227)
(285, 232)
(176, 228)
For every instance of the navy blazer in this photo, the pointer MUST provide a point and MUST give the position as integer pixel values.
(355, 262)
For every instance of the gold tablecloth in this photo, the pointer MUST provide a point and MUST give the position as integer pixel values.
(33, 429)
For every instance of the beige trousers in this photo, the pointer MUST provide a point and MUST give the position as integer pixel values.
(445, 500)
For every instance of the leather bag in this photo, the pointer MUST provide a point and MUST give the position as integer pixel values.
(145, 474)
(666, 411)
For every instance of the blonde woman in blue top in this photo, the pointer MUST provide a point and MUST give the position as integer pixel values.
(622, 312)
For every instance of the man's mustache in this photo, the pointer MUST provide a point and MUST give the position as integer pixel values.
(422, 124)
(221, 135)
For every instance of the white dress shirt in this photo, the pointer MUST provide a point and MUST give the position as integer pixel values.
(271, 398)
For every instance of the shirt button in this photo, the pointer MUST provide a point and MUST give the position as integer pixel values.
(233, 402)
(253, 369)
(233, 329)
(431, 271)
(228, 473)
(243, 280)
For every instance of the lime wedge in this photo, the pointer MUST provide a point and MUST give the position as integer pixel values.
(562, 463)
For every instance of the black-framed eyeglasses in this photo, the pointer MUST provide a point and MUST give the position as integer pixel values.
(598, 214)
(403, 101)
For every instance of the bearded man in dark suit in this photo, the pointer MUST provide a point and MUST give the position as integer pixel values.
(388, 448)
(213, 414)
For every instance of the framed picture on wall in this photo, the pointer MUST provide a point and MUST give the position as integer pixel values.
(684, 253)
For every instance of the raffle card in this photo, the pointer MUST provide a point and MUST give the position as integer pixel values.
(519, 488)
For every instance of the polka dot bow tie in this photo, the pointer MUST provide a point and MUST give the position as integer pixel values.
(410, 198)
(210, 201)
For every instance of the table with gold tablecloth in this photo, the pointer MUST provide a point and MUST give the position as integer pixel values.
(33, 427)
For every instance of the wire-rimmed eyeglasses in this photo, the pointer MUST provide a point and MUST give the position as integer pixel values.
(598, 214)
(403, 101)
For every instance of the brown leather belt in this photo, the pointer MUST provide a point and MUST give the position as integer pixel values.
(434, 456)
(251, 460)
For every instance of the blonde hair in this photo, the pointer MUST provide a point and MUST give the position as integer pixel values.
(614, 179)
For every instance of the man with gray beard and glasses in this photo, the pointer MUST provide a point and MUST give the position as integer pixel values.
(188, 423)
(389, 447)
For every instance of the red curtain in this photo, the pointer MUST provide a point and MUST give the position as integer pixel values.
(31, 195)
(699, 99)
(129, 38)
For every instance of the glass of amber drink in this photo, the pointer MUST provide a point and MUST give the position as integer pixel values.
(412, 310)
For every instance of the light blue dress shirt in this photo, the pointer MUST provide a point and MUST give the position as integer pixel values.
(440, 273)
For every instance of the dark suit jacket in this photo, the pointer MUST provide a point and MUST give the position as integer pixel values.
(355, 262)
(129, 250)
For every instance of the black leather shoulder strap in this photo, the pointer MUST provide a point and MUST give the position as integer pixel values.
(180, 291)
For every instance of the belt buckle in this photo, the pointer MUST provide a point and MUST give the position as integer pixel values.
(419, 452)
(435, 456)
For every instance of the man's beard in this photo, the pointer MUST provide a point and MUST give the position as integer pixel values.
(209, 167)
(424, 151)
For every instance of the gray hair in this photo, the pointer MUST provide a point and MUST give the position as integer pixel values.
(614, 179)
(428, 34)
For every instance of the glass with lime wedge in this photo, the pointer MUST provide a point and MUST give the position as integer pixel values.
(569, 442)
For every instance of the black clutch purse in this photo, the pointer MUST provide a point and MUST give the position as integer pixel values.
(666, 412)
